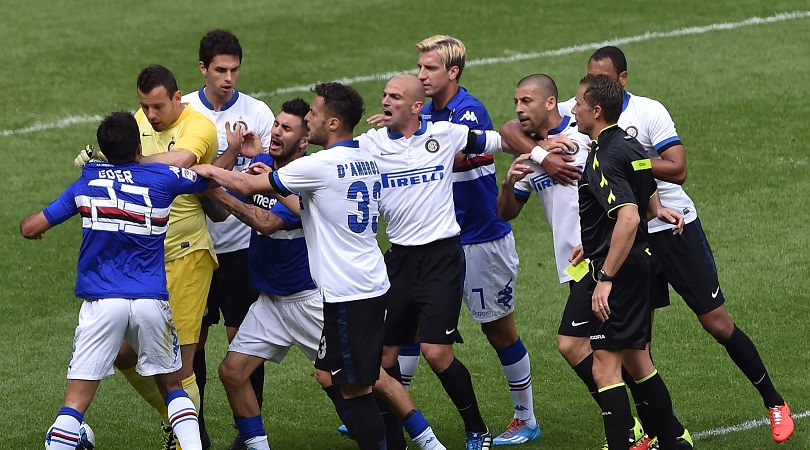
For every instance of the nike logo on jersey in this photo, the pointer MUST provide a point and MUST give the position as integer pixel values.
(576, 324)
(449, 332)
(334, 372)
(716, 291)
(146, 134)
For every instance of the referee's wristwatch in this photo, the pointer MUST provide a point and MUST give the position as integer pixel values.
(603, 276)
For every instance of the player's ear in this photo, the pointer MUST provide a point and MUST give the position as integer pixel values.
(302, 144)
(333, 123)
(551, 103)
(453, 72)
(623, 78)
(138, 153)
(417, 107)
(203, 69)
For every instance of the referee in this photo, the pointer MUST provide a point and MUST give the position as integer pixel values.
(617, 195)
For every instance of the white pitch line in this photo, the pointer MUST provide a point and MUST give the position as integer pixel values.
(781, 17)
(741, 427)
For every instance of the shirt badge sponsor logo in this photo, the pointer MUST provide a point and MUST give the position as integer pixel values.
(241, 122)
(188, 174)
(432, 145)
(632, 131)
(574, 149)
(470, 116)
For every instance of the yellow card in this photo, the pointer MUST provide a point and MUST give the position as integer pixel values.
(579, 271)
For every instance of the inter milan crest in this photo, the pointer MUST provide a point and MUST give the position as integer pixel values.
(573, 150)
(432, 145)
(632, 131)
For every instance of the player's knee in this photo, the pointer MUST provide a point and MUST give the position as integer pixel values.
(573, 349)
(230, 375)
(323, 377)
(718, 324)
(438, 356)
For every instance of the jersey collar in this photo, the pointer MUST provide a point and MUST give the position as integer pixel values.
(561, 127)
(345, 143)
(209, 105)
(420, 131)
(626, 100)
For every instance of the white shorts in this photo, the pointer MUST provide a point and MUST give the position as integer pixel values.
(275, 323)
(104, 324)
(489, 283)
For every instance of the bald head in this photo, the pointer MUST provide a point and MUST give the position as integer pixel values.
(541, 81)
(411, 86)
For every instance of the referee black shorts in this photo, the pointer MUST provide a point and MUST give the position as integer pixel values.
(352, 341)
(230, 290)
(578, 317)
(628, 326)
(426, 289)
(685, 261)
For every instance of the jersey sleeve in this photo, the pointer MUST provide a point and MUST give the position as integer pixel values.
(483, 142)
(199, 136)
(303, 174)
(184, 181)
(523, 189)
(291, 220)
(264, 125)
(63, 207)
(661, 127)
(612, 188)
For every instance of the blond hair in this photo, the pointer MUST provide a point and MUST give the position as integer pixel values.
(451, 51)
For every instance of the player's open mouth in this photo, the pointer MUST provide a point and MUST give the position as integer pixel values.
(387, 112)
(275, 143)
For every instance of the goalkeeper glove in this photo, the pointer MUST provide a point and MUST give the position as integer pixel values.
(89, 153)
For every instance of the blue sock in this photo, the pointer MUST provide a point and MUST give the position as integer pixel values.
(250, 427)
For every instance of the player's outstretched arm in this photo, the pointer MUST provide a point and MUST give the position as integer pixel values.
(238, 182)
(672, 165)
(33, 226)
(261, 220)
(555, 164)
(509, 207)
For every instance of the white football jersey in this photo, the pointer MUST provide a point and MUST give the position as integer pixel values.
(231, 235)
(417, 183)
(650, 123)
(560, 203)
(340, 196)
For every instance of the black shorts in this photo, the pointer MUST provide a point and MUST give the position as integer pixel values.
(578, 316)
(685, 261)
(426, 288)
(352, 341)
(230, 290)
(628, 326)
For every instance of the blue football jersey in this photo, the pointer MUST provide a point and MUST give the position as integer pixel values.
(125, 215)
(278, 263)
(475, 190)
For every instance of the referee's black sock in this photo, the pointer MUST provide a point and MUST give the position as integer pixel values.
(655, 394)
(365, 422)
(641, 404)
(257, 382)
(457, 383)
(744, 354)
(584, 371)
(201, 372)
(616, 417)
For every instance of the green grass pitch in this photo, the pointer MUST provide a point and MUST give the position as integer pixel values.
(735, 86)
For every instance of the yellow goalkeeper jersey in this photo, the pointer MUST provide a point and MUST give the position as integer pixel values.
(195, 132)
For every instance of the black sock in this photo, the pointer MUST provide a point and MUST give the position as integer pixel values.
(201, 372)
(655, 395)
(457, 383)
(616, 415)
(394, 436)
(365, 422)
(257, 382)
(642, 407)
(334, 394)
(744, 354)
(585, 372)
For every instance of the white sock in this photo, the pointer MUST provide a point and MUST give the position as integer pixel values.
(65, 433)
(428, 441)
(257, 443)
(519, 377)
(183, 417)
(407, 367)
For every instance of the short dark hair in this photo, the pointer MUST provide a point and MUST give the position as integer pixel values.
(606, 92)
(219, 42)
(541, 80)
(296, 107)
(118, 137)
(342, 101)
(615, 55)
(156, 75)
